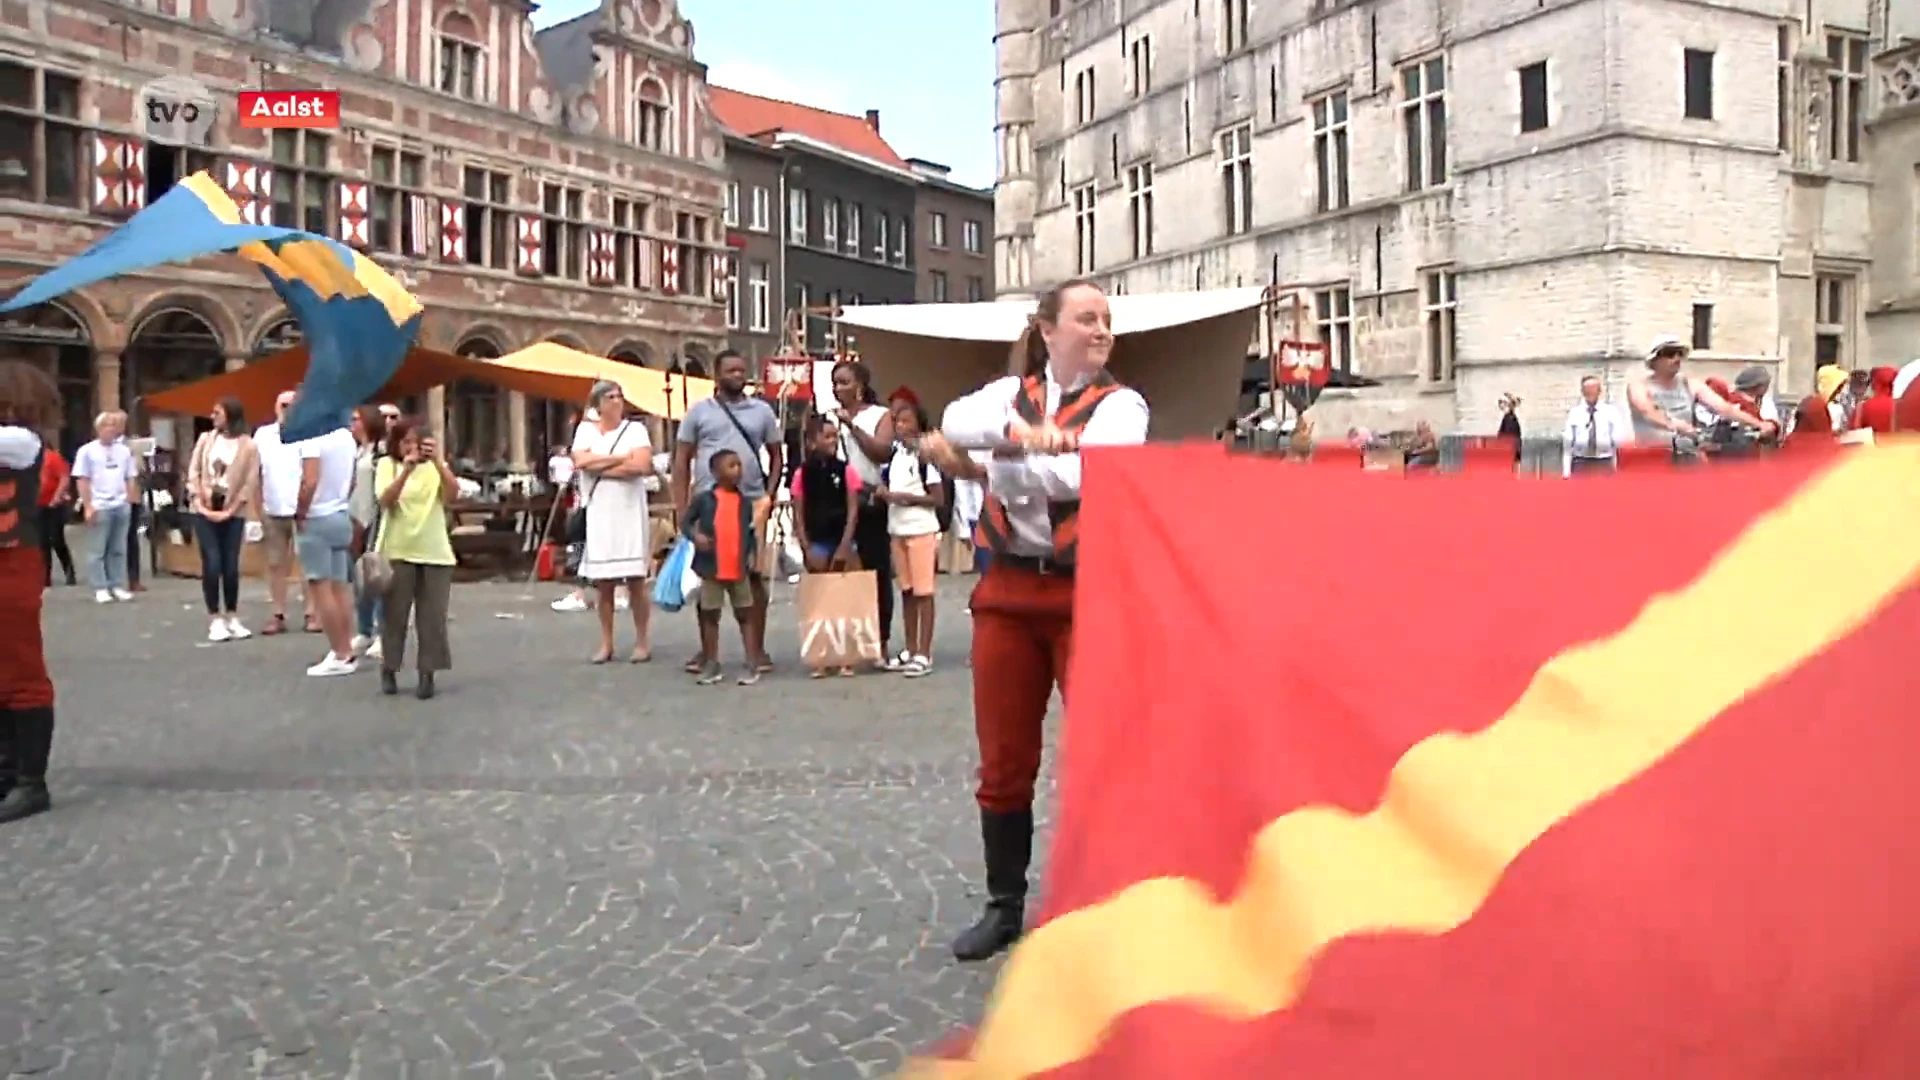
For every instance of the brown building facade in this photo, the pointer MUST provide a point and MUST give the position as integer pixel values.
(952, 240)
(564, 185)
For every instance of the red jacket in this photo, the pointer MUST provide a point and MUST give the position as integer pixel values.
(54, 474)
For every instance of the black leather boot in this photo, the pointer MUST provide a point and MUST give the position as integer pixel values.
(424, 688)
(10, 734)
(32, 744)
(1008, 840)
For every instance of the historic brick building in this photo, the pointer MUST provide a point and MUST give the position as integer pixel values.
(564, 185)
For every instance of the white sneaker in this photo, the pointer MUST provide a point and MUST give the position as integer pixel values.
(236, 632)
(570, 602)
(102, 596)
(360, 643)
(373, 650)
(333, 665)
(122, 595)
(218, 631)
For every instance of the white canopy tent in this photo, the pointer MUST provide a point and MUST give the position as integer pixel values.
(1186, 352)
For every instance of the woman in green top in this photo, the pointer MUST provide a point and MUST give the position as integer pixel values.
(414, 485)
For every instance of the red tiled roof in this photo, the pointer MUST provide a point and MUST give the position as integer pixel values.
(758, 117)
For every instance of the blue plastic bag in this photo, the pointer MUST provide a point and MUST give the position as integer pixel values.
(669, 589)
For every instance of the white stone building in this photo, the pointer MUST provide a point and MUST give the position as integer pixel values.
(1479, 197)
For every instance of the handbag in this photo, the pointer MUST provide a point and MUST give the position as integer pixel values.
(375, 569)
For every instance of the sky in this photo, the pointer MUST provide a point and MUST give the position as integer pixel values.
(929, 73)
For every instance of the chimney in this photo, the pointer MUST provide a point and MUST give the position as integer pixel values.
(873, 120)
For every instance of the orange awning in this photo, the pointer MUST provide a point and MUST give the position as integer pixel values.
(555, 371)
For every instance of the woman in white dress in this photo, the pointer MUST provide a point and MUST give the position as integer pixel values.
(614, 457)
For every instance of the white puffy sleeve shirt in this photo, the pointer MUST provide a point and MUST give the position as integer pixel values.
(1027, 484)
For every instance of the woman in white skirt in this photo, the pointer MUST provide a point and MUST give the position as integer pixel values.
(614, 457)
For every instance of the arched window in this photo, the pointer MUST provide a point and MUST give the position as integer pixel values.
(653, 115)
(462, 59)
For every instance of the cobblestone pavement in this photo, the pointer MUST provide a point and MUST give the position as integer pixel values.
(551, 870)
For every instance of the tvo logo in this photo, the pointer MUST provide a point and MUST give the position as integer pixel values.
(177, 111)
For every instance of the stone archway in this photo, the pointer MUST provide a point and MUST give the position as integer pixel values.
(696, 359)
(170, 345)
(477, 422)
(633, 352)
(277, 336)
(58, 339)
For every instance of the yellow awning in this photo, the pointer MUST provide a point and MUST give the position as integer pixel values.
(555, 371)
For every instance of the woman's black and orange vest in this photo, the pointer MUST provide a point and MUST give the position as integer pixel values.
(20, 504)
(995, 532)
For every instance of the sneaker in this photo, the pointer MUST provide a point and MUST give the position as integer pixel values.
(570, 602)
(374, 652)
(712, 676)
(218, 631)
(333, 665)
(360, 643)
(918, 666)
(236, 632)
(102, 596)
(122, 594)
(749, 677)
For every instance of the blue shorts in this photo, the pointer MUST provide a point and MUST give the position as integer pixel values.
(822, 552)
(324, 546)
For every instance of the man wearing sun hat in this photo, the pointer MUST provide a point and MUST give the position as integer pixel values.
(1661, 400)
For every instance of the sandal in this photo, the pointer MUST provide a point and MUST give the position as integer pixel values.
(312, 625)
(601, 657)
(275, 626)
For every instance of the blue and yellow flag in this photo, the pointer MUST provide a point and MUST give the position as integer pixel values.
(358, 322)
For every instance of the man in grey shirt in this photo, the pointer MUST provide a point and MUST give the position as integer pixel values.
(730, 420)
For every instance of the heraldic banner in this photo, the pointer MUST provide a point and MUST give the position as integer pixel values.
(1370, 777)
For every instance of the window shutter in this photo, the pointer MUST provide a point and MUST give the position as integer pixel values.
(670, 268)
(599, 257)
(420, 235)
(720, 275)
(647, 265)
(353, 214)
(453, 237)
(529, 229)
(109, 175)
(133, 156)
(246, 188)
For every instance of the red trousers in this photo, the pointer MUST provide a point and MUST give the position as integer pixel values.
(1022, 633)
(24, 683)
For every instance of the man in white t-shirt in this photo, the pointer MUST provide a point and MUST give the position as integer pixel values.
(325, 542)
(279, 495)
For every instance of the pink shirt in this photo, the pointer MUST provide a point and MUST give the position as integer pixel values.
(853, 481)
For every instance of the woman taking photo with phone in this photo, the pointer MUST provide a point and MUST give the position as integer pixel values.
(410, 530)
(223, 488)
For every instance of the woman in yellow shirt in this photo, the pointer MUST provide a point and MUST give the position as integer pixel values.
(414, 485)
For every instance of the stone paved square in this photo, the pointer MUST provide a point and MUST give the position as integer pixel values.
(550, 870)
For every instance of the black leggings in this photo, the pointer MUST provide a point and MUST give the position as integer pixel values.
(133, 545)
(53, 541)
(220, 543)
(875, 547)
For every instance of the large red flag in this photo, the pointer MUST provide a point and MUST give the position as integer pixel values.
(1378, 778)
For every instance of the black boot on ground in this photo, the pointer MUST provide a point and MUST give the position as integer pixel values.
(1008, 839)
(424, 688)
(30, 746)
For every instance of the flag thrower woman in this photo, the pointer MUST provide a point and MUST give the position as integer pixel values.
(1036, 423)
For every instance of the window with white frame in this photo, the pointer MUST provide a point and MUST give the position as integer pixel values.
(1832, 319)
(733, 303)
(796, 215)
(1236, 178)
(653, 116)
(1083, 99)
(1083, 198)
(1423, 120)
(757, 210)
(976, 289)
(563, 237)
(1140, 60)
(760, 297)
(1783, 83)
(1333, 318)
(1140, 209)
(42, 144)
(399, 209)
(488, 217)
(973, 237)
(936, 230)
(1846, 95)
(938, 280)
(1438, 304)
(851, 229)
(880, 236)
(630, 265)
(1330, 151)
(900, 236)
(731, 211)
(303, 185)
(460, 57)
(830, 223)
(1234, 24)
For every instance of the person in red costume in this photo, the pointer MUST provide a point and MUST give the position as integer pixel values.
(1876, 413)
(29, 404)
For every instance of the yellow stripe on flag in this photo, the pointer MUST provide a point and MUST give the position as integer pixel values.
(1459, 809)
